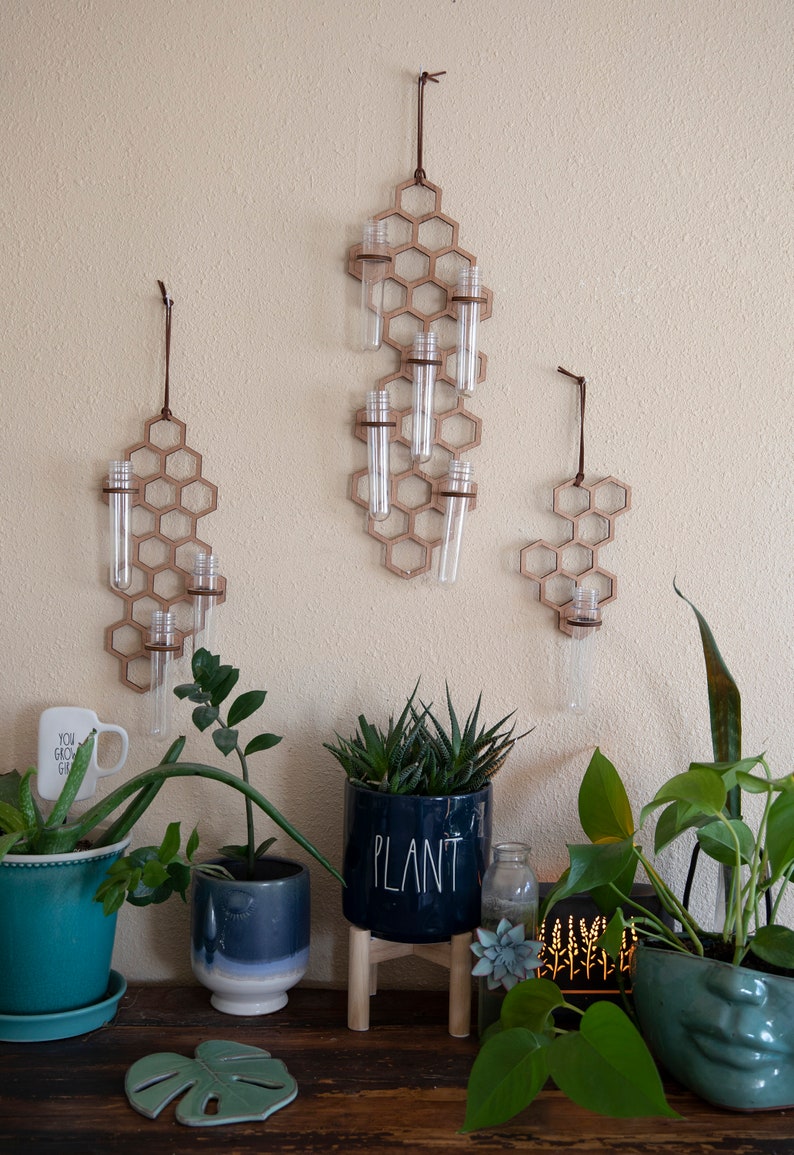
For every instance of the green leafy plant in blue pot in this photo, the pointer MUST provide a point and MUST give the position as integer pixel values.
(63, 877)
(418, 802)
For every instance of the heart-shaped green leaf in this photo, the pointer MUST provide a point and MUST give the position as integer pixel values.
(225, 1083)
(507, 1074)
(606, 1067)
(718, 841)
(604, 807)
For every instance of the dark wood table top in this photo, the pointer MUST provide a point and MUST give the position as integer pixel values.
(401, 1086)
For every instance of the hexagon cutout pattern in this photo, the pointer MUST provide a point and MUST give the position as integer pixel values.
(425, 258)
(591, 511)
(172, 496)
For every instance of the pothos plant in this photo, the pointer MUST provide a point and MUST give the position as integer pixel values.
(149, 874)
(757, 862)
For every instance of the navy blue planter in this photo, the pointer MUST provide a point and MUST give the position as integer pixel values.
(413, 866)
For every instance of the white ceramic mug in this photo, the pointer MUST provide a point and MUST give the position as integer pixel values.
(61, 730)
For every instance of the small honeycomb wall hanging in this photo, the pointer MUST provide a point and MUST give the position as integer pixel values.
(424, 259)
(590, 512)
(170, 498)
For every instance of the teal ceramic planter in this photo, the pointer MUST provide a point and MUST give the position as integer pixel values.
(723, 1031)
(56, 942)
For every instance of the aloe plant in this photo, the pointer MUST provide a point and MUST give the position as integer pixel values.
(418, 754)
(152, 873)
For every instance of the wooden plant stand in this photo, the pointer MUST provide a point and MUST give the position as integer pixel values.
(365, 954)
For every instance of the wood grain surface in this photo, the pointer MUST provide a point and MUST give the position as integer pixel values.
(401, 1086)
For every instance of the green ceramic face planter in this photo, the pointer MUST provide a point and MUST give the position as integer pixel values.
(723, 1031)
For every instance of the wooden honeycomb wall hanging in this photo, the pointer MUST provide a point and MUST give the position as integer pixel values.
(424, 259)
(170, 497)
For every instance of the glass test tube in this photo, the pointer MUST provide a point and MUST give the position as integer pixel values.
(161, 646)
(424, 362)
(205, 591)
(459, 489)
(374, 260)
(378, 425)
(121, 489)
(584, 619)
(469, 299)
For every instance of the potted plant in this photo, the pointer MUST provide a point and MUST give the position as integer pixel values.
(250, 910)
(714, 1007)
(418, 820)
(62, 878)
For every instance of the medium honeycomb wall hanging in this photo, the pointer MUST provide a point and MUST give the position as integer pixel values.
(169, 497)
(422, 260)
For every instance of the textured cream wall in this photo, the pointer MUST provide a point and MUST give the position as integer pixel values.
(623, 169)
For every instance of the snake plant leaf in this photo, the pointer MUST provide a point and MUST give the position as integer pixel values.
(725, 704)
(507, 1074)
(225, 1083)
(606, 1067)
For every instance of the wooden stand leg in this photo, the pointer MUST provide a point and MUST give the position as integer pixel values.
(460, 986)
(365, 954)
(358, 979)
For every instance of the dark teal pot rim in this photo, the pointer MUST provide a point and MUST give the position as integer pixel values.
(297, 870)
(425, 797)
(671, 953)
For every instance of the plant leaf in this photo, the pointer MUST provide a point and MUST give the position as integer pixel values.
(780, 834)
(262, 742)
(717, 843)
(604, 807)
(204, 716)
(595, 865)
(507, 1074)
(246, 705)
(725, 705)
(699, 786)
(606, 1067)
(225, 739)
(774, 944)
(238, 1082)
(529, 1004)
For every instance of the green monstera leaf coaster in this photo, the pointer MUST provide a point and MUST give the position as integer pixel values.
(224, 1083)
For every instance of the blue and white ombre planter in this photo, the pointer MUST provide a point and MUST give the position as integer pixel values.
(250, 940)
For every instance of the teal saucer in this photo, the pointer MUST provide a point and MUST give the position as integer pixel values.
(64, 1024)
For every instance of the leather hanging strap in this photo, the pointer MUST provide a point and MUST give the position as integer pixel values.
(420, 175)
(168, 301)
(582, 381)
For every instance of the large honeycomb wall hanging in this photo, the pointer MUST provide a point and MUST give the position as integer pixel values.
(424, 258)
(171, 496)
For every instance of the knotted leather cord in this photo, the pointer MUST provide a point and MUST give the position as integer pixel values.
(420, 175)
(582, 395)
(165, 412)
